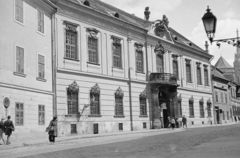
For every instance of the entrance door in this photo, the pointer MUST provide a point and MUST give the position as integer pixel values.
(217, 115)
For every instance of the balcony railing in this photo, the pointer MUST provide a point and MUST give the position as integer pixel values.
(166, 78)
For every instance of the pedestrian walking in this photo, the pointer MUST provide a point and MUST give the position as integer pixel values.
(9, 128)
(52, 130)
(177, 123)
(173, 123)
(169, 122)
(2, 130)
(184, 121)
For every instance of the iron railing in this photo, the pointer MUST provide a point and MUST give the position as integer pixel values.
(163, 78)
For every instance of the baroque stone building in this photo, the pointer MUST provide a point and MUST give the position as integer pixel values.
(117, 72)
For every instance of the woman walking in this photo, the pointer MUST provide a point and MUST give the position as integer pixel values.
(2, 130)
(8, 127)
(52, 130)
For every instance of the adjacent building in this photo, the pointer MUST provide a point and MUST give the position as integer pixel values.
(26, 63)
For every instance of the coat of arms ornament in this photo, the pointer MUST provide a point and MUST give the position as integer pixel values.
(160, 26)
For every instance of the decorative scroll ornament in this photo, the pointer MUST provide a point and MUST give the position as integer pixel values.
(198, 64)
(159, 49)
(116, 40)
(201, 100)
(191, 100)
(71, 26)
(175, 56)
(92, 32)
(179, 98)
(209, 101)
(95, 89)
(139, 46)
(160, 26)
(143, 95)
(119, 92)
(73, 87)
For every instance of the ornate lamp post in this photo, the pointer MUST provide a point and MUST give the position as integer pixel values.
(210, 23)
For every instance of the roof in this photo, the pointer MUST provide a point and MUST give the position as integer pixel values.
(218, 73)
(222, 63)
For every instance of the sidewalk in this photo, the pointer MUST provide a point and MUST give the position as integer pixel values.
(34, 138)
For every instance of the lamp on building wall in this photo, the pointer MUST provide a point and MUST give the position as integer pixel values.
(210, 23)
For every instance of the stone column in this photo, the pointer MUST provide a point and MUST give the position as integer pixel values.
(155, 108)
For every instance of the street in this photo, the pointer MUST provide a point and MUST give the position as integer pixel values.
(216, 141)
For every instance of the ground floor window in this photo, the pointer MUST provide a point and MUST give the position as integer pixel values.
(209, 110)
(19, 114)
(41, 114)
(223, 114)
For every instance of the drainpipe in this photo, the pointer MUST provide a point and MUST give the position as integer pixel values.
(213, 103)
(54, 65)
(130, 84)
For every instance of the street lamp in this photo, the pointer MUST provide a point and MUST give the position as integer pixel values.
(210, 23)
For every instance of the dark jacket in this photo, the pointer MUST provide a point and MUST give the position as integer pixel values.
(184, 120)
(9, 127)
(2, 125)
(53, 128)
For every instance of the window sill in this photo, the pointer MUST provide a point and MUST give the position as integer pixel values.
(139, 72)
(41, 79)
(93, 63)
(21, 23)
(117, 69)
(40, 33)
(95, 115)
(191, 117)
(19, 74)
(119, 116)
(71, 59)
(189, 82)
(71, 115)
(201, 117)
(143, 116)
(209, 117)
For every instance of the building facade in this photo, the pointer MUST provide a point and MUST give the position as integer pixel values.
(26, 63)
(117, 72)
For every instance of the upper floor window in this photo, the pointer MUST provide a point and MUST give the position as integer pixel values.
(188, 70)
(175, 65)
(179, 106)
(223, 114)
(40, 21)
(159, 50)
(117, 52)
(119, 102)
(19, 10)
(159, 63)
(92, 45)
(216, 96)
(191, 107)
(19, 60)
(139, 57)
(71, 41)
(143, 103)
(201, 107)
(209, 106)
(95, 100)
(41, 65)
(226, 99)
(206, 80)
(199, 76)
(222, 97)
(72, 98)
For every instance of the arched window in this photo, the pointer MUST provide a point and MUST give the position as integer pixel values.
(191, 108)
(72, 98)
(201, 107)
(209, 106)
(95, 100)
(119, 102)
(143, 103)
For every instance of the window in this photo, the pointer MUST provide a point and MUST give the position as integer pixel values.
(188, 71)
(72, 98)
(209, 110)
(40, 22)
(20, 60)
(223, 114)
(19, 10)
(227, 115)
(118, 106)
(175, 68)
(41, 72)
(206, 75)
(221, 97)
(201, 107)
(95, 100)
(19, 114)
(159, 63)
(71, 41)
(226, 99)
(199, 77)
(143, 106)
(216, 96)
(93, 50)
(179, 108)
(139, 61)
(191, 108)
(41, 114)
(117, 55)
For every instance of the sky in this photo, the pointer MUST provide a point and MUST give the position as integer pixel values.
(185, 16)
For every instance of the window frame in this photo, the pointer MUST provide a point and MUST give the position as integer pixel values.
(16, 110)
(161, 57)
(201, 109)
(199, 74)
(23, 63)
(191, 108)
(206, 76)
(179, 102)
(209, 106)
(117, 105)
(41, 112)
(93, 107)
(97, 50)
(43, 20)
(143, 107)
(175, 61)
(216, 96)
(15, 13)
(188, 76)
(137, 52)
(120, 56)
(44, 67)
(70, 108)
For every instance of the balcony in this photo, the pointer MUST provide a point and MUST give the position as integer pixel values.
(163, 78)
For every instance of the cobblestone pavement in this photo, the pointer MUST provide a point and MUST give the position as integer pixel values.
(208, 142)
